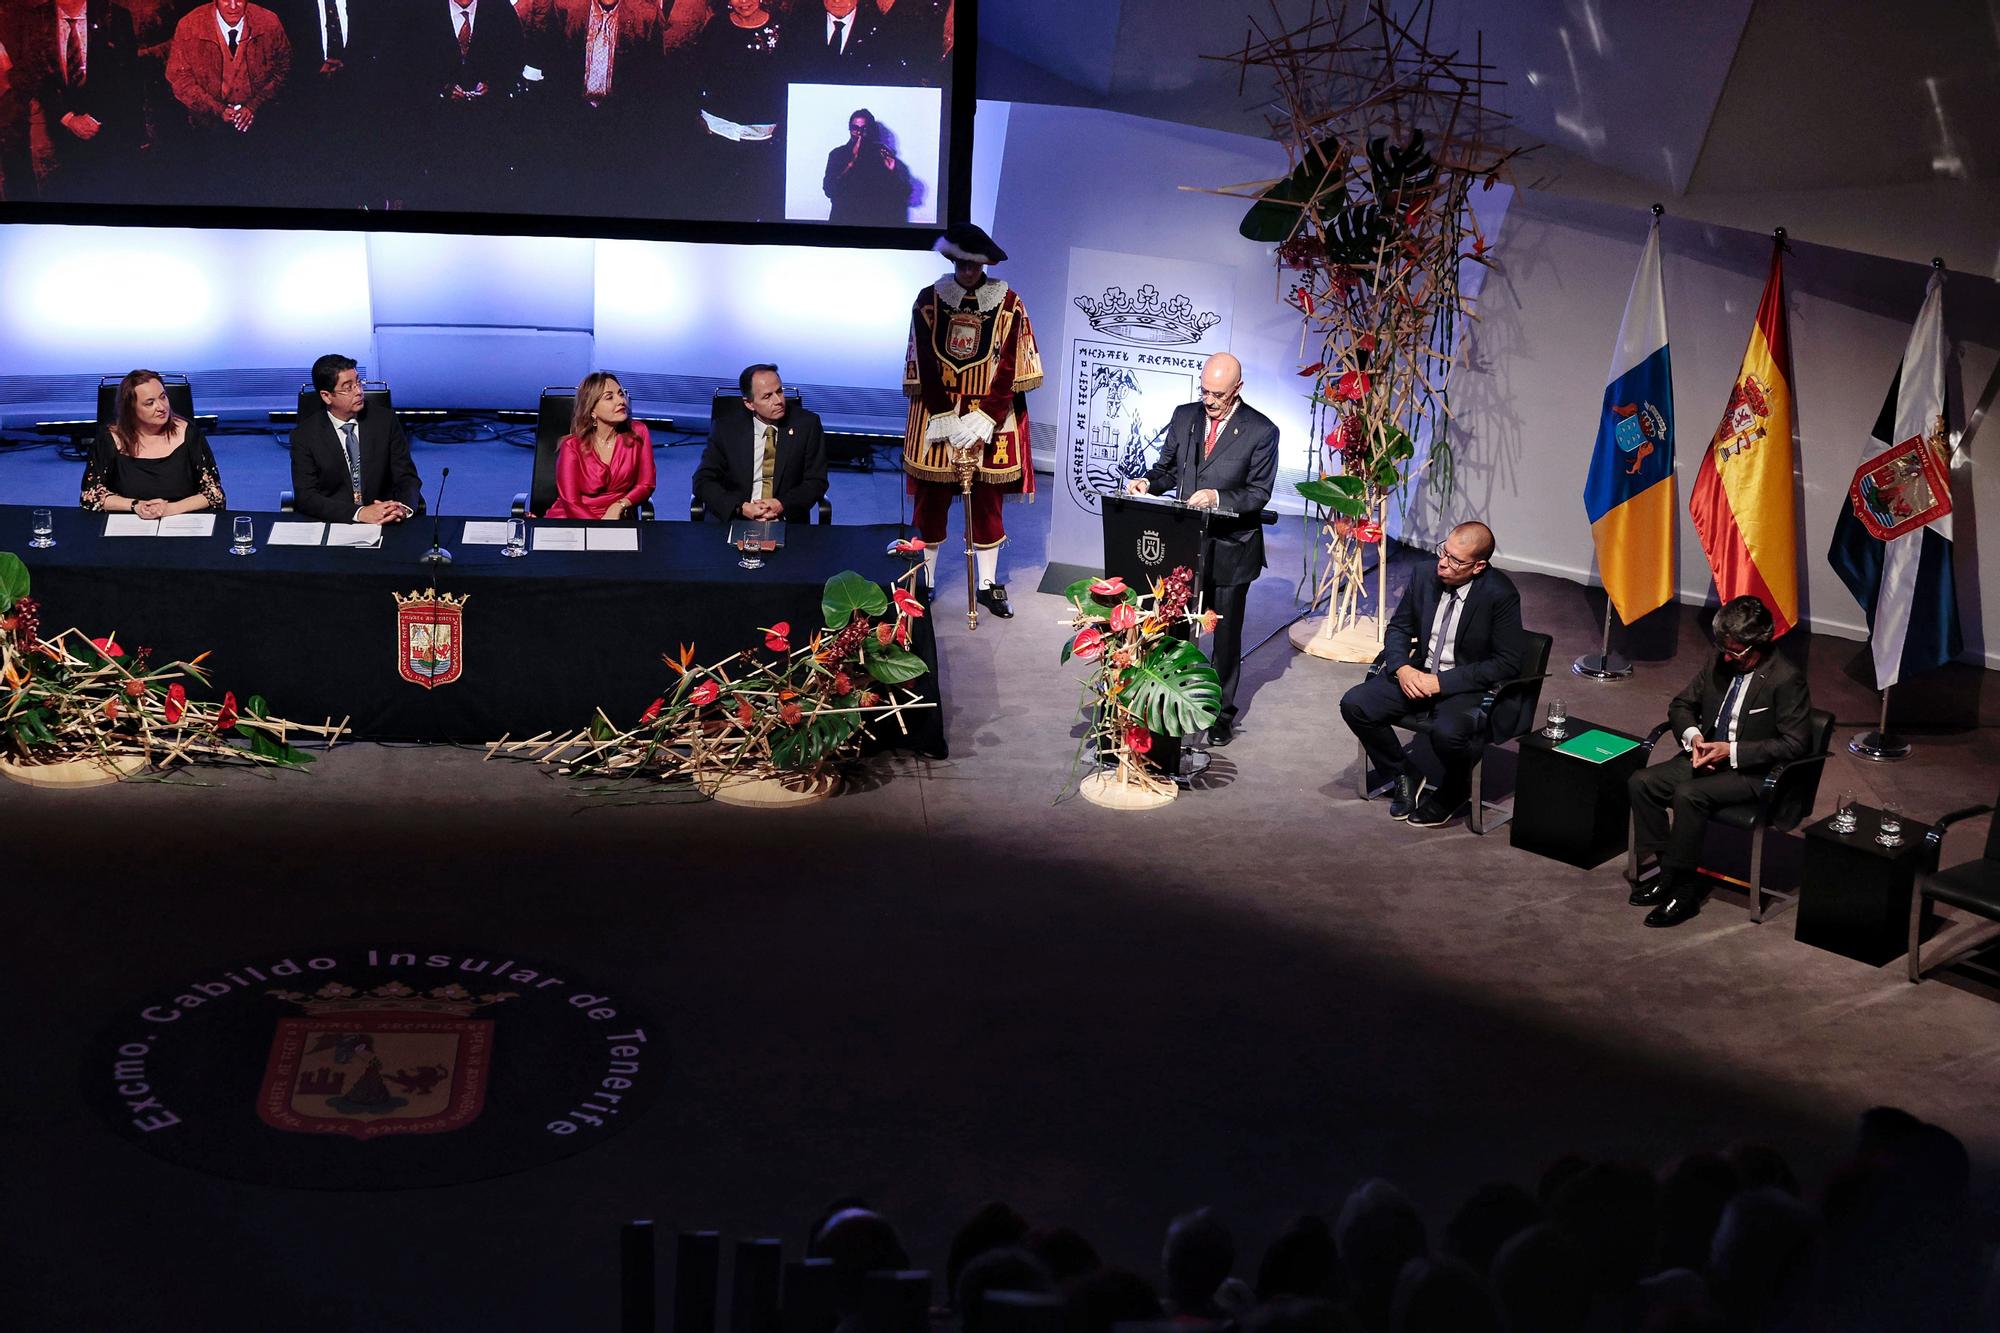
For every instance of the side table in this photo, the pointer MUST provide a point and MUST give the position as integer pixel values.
(1854, 893)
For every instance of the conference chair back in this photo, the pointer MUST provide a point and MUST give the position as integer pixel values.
(180, 397)
(552, 422)
(374, 399)
(1517, 704)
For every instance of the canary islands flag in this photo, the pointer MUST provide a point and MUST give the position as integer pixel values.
(1892, 539)
(1742, 501)
(1630, 491)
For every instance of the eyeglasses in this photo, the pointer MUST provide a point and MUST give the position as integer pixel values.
(1445, 555)
(1220, 394)
(1735, 655)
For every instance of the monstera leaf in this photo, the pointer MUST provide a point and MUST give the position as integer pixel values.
(1354, 236)
(812, 740)
(1338, 495)
(1173, 690)
(1393, 168)
(1275, 217)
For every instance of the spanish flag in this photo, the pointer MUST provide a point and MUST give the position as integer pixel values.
(1742, 502)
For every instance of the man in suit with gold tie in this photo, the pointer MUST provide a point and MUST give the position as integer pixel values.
(766, 463)
(1222, 453)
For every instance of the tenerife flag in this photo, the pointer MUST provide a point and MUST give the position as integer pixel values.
(1892, 541)
(1630, 491)
(1742, 500)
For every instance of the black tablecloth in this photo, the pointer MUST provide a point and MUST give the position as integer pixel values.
(547, 638)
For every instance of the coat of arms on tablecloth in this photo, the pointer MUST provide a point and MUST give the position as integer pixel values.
(430, 637)
(388, 1061)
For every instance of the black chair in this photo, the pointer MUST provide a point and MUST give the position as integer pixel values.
(1972, 886)
(1507, 712)
(180, 398)
(728, 405)
(1783, 801)
(374, 398)
(552, 422)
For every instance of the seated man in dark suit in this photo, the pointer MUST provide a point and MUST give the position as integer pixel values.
(766, 463)
(1455, 635)
(1745, 711)
(77, 64)
(1222, 453)
(349, 466)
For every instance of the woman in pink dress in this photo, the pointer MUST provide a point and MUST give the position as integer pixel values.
(604, 466)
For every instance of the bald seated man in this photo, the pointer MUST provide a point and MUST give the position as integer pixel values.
(1221, 453)
(1455, 635)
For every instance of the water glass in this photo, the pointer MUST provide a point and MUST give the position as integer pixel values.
(1844, 818)
(1890, 831)
(44, 526)
(1558, 718)
(517, 538)
(246, 533)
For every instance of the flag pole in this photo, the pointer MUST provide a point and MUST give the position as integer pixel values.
(1603, 664)
(1882, 745)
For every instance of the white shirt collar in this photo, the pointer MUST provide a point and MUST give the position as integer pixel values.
(471, 11)
(226, 28)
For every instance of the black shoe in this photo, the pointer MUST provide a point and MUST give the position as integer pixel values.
(1676, 909)
(1650, 895)
(1220, 734)
(1408, 791)
(994, 598)
(1434, 813)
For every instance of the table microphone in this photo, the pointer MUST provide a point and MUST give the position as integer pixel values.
(437, 555)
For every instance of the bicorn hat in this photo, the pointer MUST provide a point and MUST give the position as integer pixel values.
(962, 242)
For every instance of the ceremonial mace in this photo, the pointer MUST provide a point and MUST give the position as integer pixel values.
(965, 461)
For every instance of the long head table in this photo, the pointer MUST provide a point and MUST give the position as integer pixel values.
(547, 638)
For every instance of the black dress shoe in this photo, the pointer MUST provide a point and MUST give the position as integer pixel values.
(1408, 791)
(1221, 734)
(994, 598)
(1654, 893)
(1675, 910)
(1434, 813)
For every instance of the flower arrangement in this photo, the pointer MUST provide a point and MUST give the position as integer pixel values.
(1147, 678)
(775, 709)
(72, 698)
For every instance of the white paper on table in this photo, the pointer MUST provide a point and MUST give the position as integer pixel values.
(561, 539)
(484, 533)
(611, 539)
(130, 525)
(296, 534)
(188, 525)
(354, 534)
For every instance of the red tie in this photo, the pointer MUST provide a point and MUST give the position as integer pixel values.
(464, 34)
(1208, 445)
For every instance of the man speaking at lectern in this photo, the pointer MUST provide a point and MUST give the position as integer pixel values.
(1222, 453)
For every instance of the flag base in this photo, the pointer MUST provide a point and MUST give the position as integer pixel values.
(1884, 747)
(1602, 666)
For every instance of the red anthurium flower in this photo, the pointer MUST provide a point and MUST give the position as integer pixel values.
(652, 712)
(176, 702)
(910, 546)
(903, 633)
(225, 716)
(776, 638)
(1369, 532)
(1365, 343)
(109, 647)
(1138, 740)
(906, 602)
(1088, 646)
(1123, 617)
(1313, 369)
(790, 714)
(1111, 587)
(705, 694)
(1353, 386)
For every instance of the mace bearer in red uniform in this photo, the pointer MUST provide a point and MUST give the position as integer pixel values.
(971, 362)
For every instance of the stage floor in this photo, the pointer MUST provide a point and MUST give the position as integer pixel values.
(951, 986)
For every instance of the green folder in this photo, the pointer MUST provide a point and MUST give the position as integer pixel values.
(1597, 746)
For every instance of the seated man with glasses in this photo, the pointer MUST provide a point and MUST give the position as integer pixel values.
(1456, 634)
(1745, 711)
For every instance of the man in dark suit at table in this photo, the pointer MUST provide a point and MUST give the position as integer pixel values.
(349, 465)
(338, 50)
(1455, 635)
(1745, 711)
(766, 462)
(1222, 453)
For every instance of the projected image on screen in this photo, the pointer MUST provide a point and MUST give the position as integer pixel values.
(676, 109)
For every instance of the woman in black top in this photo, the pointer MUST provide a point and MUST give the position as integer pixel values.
(148, 461)
(737, 64)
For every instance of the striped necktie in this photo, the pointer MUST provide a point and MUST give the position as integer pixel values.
(352, 449)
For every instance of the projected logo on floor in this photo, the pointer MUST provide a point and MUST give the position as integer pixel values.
(375, 1068)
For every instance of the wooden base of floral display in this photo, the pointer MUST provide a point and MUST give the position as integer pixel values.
(1357, 643)
(74, 774)
(1126, 788)
(772, 793)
